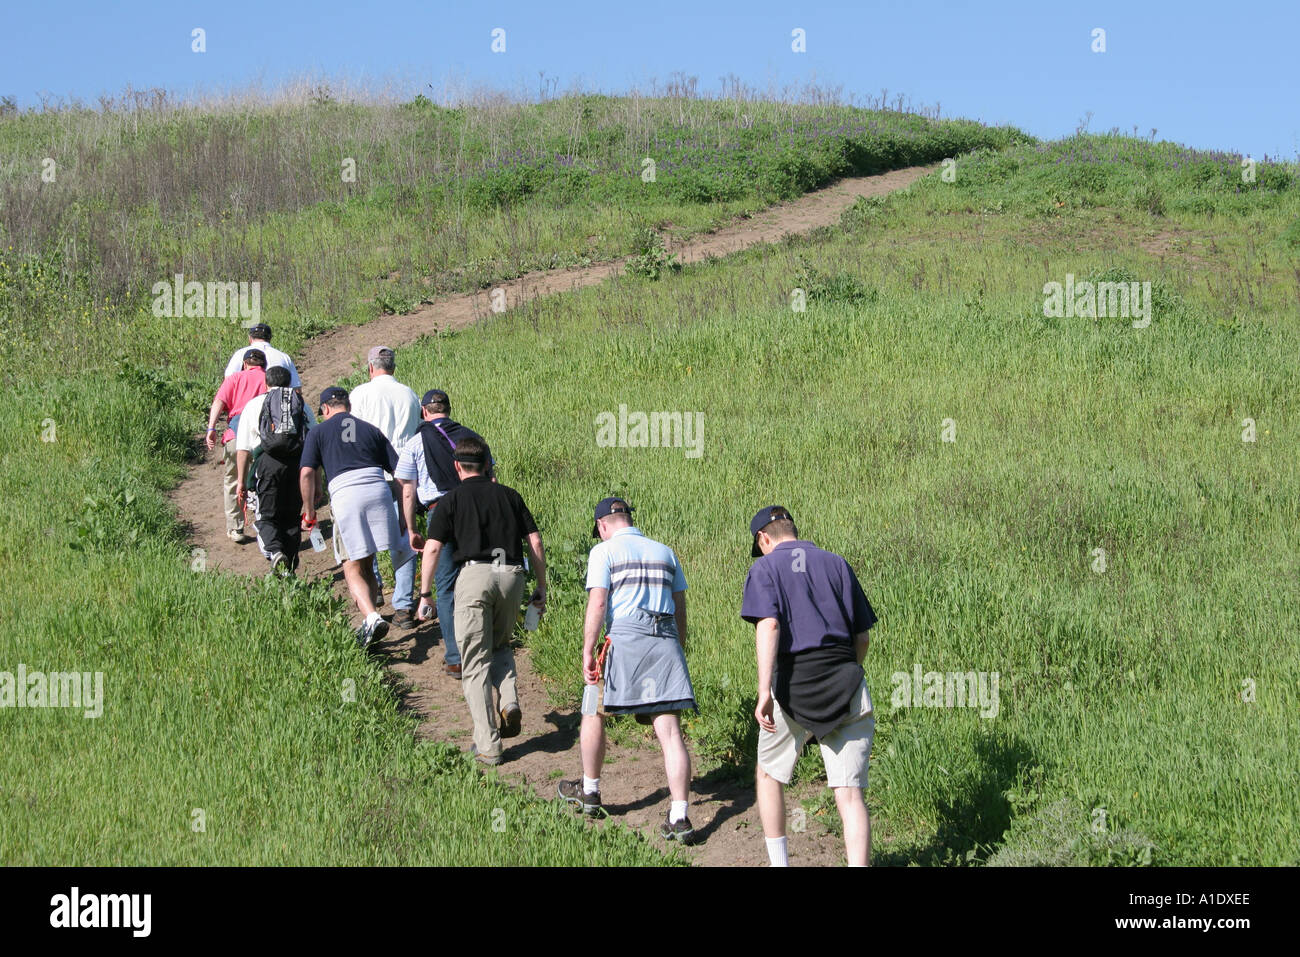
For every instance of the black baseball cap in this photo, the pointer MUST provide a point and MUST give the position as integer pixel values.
(436, 395)
(764, 517)
(256, 356)
(469, 458)
(609, 506)
(333, 392)
(260, 331)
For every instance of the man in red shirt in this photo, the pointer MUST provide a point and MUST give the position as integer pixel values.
(231, 398)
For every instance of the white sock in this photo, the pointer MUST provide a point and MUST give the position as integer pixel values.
(590, 785)
(777, 853)
(373, 617)
(676, 812)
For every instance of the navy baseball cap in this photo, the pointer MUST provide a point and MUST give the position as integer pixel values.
(260, 331)
(436, 395)
(609, 506)
(760, 521)
(333, 392)
(255, 356)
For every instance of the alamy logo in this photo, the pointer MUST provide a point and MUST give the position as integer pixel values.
(207, 300)
(57, 689)
(102, 910)
(653, 430)
(953, 689)
(1098, 300)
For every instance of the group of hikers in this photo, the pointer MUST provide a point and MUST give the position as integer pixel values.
(405, 478)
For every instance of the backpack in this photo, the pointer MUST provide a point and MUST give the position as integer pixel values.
(282, 424)
(438, 448)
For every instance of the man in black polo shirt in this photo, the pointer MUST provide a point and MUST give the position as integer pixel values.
(811, 620)
(427, 472)
(488, 523)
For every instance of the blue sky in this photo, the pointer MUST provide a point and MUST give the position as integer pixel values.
(1212, 75)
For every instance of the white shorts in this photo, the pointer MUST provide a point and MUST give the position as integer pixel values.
(846, 751)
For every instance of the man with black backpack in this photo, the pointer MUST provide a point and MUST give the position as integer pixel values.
(427, 472)
(272, 430)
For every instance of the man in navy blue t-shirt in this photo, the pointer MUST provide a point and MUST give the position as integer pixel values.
(355, 456)
(811, 621)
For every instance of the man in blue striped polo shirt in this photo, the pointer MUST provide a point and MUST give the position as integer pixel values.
(635, 587)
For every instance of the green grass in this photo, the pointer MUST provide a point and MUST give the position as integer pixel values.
(1120, 690)
(443, 199)
(246, 701)
(224, 696)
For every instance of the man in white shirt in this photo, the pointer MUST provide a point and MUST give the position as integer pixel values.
(278, 501)
(384, 402)
(259, 337)
(394, 410)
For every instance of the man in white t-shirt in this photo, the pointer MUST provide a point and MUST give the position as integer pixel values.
(275, 479)
(394, 410)
(259, 337)
(384, 402)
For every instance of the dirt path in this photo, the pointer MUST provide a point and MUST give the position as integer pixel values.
(633, 785)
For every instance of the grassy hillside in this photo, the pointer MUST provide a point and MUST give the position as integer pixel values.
(239, 724)
(1121, 689)
(1160, 686)
(247, 703)
(341, 210)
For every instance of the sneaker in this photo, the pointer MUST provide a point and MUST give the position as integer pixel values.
(511, 723)
(572, 792)
(236, 535)
(374, 629)
(491, 760)
(406, 619)
(279, 564)
(681, 831)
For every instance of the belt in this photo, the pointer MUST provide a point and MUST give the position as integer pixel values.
(477, 561)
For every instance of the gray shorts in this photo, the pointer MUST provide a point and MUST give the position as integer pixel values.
(846, 751)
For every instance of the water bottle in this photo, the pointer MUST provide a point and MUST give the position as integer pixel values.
(589, 695)
(317, 539)
(532, 617)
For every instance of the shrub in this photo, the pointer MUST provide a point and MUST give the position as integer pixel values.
(652, 258)
(1060, 835)
(841, 287)
(1151, 199)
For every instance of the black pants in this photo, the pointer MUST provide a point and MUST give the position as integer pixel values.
(279, 507)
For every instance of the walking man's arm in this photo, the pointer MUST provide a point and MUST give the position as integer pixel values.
(241, 475)
(214, 413)
(860, 643)
(766, 632)
(595, 620)
(307, 486)
(539, 565)
(679, 613)
(408, 510)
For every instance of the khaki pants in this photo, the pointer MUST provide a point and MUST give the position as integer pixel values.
(230, 488)
(487, 607)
